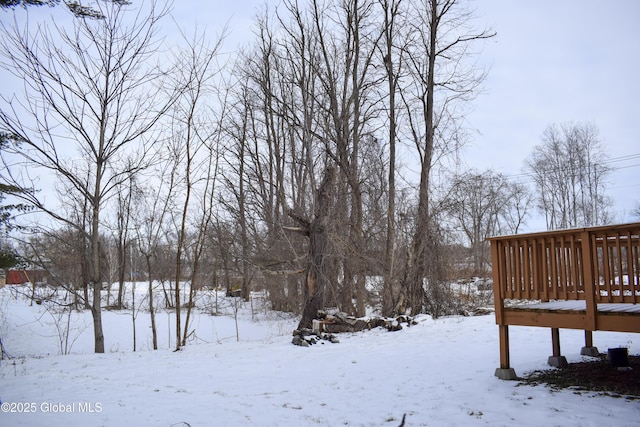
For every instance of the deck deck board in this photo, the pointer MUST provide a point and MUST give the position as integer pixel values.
(579, 305)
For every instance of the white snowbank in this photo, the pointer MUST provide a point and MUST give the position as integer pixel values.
(438, 373)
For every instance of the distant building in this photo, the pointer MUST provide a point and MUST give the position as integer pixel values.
(18, 277)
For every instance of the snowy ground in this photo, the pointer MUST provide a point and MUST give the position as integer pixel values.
(438, 373)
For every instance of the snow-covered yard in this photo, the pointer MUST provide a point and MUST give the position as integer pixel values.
(438, 373)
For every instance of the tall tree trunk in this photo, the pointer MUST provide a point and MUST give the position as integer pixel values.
(187, 320)
(242, 216)
(96, 309)
(85, 274)
(388, 298)
(122, 254)
(133, 314)
(356, 258)
(154, 330)
(315, 277)
(417, 267)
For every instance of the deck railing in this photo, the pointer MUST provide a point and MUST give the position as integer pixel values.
(599, 265)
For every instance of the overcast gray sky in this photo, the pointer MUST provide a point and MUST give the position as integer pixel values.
(559, 61)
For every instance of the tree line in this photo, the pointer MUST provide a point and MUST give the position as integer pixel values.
(320, 163)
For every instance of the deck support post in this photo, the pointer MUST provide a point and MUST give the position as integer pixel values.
(504, 372)
(589, 349)
(556, 359)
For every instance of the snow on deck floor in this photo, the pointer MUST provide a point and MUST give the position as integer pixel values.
(580, 305)
(439, 373)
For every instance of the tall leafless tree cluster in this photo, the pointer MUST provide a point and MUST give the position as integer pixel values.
(82, 115)
(327, 94)
(314, 160)
(570, 172)
(485, 204)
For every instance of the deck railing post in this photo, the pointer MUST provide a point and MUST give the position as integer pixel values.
(499, 273)
(588, 264)
(587, 275)
(504, 372)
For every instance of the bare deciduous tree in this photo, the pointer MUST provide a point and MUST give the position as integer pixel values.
(438, 84)
(482, 205)
(391, 49)
(518, 208)
(570, 171)
(149, 220)
(90, 99)
(194, 142)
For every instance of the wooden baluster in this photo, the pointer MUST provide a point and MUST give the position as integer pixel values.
(552, 270)
(544, 268)
(526, 273)
(620, 271)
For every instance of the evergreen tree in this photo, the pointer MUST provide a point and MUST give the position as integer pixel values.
(75, 7)
(8, 256)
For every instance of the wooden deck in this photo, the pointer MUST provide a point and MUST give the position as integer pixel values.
(586, 278)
